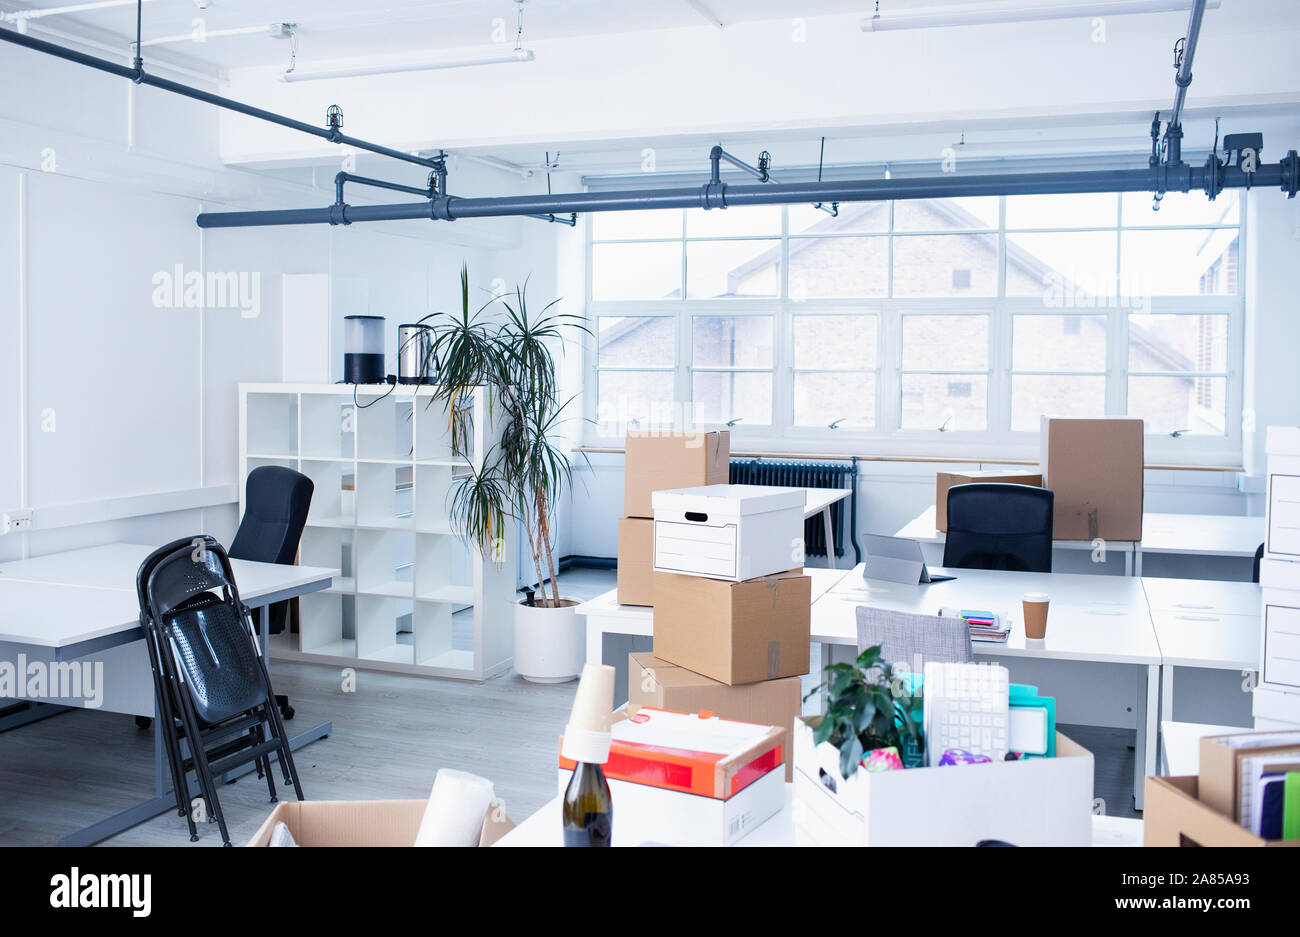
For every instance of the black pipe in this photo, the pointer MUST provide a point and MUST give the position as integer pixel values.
(140, 76)
(1182, 79)
(1150, 179)
(343, 177)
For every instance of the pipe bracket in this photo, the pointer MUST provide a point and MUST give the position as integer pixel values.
(339, 214)
(440, 208)
(1290, 173)
(713, 195)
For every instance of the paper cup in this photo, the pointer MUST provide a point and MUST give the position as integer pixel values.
(1035, 609)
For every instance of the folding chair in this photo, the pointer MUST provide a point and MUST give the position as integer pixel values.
(216, 707)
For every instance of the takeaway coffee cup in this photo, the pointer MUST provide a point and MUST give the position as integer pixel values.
(1035, 608)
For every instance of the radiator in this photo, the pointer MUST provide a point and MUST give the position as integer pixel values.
(810, 475)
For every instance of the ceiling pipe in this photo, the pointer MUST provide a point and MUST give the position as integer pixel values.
(1182, 79)
(138, 75)
(1285, 173)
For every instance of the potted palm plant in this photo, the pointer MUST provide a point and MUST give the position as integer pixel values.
(524, 476)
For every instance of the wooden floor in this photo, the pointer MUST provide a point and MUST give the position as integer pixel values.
(390, 737)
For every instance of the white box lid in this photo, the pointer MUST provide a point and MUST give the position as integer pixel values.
(730, 499)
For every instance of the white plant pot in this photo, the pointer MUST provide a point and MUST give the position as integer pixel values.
(550, 643)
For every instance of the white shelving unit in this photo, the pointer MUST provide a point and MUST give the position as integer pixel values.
(384, 471)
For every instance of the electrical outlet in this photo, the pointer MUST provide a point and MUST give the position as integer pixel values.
(16, 522)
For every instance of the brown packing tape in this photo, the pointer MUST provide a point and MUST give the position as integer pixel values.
(773, 659)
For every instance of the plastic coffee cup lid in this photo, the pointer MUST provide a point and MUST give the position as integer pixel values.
(1036, 597)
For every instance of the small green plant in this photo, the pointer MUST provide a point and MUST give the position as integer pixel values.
(867, 708)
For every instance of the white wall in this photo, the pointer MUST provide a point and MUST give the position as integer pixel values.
(112, 407)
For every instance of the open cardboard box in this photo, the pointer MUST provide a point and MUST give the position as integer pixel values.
(1031, 802)
(363, 823)
(1175, 816)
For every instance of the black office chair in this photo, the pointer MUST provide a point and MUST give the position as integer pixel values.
(276, 500)
(1259, 558)
(216, 709)
(999, 526)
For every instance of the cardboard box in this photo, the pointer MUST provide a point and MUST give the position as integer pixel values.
(1221, 764)
(734, 632)
(362, 823)
(734, 532)
(657, 683)
(636, 561)
(654, 462)
(689, 779)
(1095, 470)
(1033, 802)
(945, 480)
(1175, 815)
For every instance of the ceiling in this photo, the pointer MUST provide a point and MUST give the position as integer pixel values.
(334, 29)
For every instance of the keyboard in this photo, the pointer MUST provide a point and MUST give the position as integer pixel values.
(966, 707)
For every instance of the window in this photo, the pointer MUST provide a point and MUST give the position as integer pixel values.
(835, 370)
(961, 316)
(731, 373)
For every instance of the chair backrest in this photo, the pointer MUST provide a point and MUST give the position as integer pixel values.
(1259, 558)
(908, 640)
(276, 500)
(999, 526)
(190, 608)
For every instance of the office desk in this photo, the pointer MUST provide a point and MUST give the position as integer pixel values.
(1180, 744)
(1100, 621)
(1199, 535)
(1180, 534)
(1203, 623)
(820, 501)
(82, 604)
(543, 829)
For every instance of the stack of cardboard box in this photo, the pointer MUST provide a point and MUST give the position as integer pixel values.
(735, 648)
(656, 461)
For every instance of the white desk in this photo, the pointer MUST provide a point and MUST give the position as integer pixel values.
(82, 603)
(1203, 623)
(1096, 620)
(543, 828)
(1200, 535)
(1181, 534)
(821, 500)
(1101, 621)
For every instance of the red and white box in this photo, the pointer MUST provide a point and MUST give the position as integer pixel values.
(689, 779)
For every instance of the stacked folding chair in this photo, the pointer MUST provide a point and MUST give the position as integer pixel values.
(216, 708)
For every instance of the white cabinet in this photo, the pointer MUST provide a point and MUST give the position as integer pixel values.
(413, 597)
(1277, 698)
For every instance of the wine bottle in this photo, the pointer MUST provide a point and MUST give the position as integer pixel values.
(588, 808)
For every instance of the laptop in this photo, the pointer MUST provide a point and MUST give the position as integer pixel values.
(897, 559)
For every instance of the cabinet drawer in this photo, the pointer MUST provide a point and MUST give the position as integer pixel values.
(1282, 645)
(1284, 515)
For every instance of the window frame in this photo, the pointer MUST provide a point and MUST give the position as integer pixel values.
(887, 437)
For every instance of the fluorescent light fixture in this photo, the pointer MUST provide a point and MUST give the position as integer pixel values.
(980, 15)
(421, 65)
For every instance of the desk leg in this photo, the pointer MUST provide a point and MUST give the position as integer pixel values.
(595, 641)
(1148, 732)
(1166, 699)
(1137, 559)
(830, 540)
